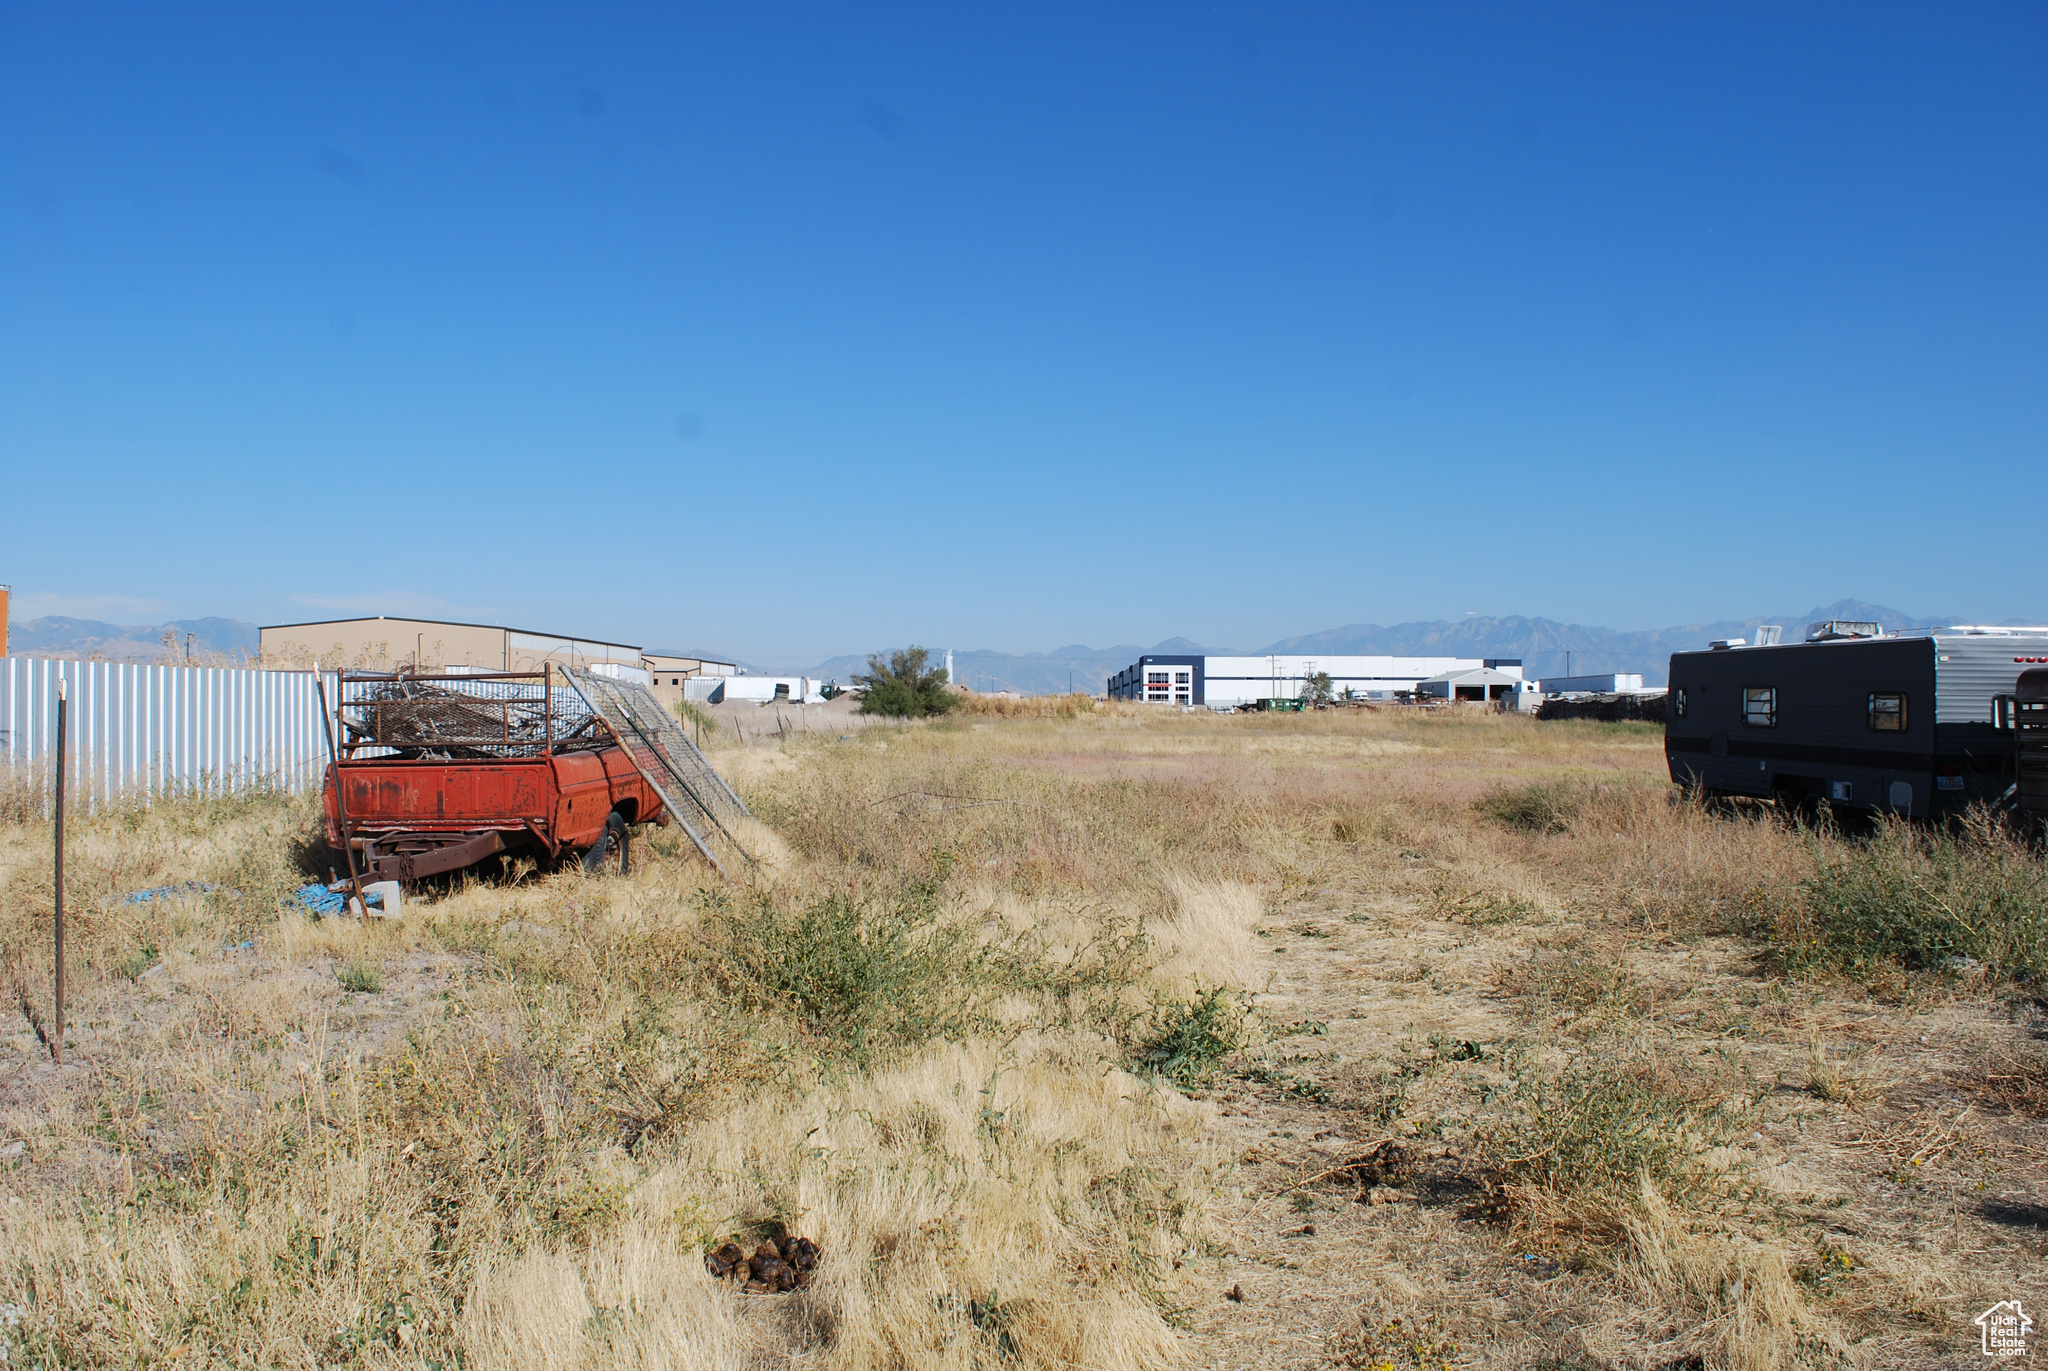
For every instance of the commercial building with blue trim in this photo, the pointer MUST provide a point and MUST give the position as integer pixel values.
(1224, 682)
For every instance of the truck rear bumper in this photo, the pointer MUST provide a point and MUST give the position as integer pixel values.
(414, 856)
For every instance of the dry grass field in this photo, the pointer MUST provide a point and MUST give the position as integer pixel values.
(1076, 1036)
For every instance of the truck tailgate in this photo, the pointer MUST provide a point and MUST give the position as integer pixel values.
(453, 795)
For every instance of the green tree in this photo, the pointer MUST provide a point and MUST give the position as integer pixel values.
(904, 685)
(1316, 690)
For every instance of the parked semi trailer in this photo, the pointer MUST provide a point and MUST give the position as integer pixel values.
(1917, 723)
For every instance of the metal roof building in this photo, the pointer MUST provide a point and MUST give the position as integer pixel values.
(1484, 682)
(382, 644)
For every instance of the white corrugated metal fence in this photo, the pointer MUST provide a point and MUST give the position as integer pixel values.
(156, 729)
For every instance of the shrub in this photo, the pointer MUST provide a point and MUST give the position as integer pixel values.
(1610, 1115)
(1540, 807)
(865, 975)
(903, 685)
(1192, 1039)
(1921, 898)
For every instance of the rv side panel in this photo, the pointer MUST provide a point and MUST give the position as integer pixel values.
(1904, 724)
(1817, 733)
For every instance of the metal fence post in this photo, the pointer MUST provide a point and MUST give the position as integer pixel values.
(57, 1044)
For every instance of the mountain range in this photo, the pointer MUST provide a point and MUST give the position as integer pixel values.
(58, 636)
(1543, 645)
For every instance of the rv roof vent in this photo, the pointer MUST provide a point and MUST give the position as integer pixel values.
(1723, 644)
(1770, 635)
(1829, 629)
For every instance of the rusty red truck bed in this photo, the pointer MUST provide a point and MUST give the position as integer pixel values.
(410, 818)
(438, 772)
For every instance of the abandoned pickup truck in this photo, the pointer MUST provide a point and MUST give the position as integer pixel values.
(438, 773)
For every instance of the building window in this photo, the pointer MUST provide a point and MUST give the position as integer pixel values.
(1887, 712)
(1678, 704)
(1760, 706)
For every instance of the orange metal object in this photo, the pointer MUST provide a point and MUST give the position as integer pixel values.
(414, 818)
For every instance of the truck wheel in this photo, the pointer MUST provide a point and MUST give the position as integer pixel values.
(616, 839)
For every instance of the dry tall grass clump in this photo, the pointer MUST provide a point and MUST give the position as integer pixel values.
(1070, 706)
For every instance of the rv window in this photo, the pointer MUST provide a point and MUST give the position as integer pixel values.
(1888, 713)
(1760, 706)
(1678, 704)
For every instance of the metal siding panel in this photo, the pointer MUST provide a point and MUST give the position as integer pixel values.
(148, 730)
(1977, 668)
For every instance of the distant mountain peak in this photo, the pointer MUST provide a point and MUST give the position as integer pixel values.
(58, 635)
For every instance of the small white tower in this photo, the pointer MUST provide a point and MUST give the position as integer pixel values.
(950, 677)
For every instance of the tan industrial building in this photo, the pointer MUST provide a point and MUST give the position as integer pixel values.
(382, 644)
(666, 673)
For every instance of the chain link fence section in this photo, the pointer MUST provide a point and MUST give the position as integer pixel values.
(658, 745)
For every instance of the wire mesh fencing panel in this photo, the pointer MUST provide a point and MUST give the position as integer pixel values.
(464, 716)
(692, 789)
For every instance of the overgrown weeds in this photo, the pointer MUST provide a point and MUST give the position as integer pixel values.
(1923, 898)
(1614, 1111)
(943, 1035)
(1575, 981)
(360, 976)
(866, 975)
(1069, 706)
(1190, 1041)
(1538, 807)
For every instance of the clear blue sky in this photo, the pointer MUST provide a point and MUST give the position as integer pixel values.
(797, 330)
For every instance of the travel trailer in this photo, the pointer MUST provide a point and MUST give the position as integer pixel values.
(1918, 723)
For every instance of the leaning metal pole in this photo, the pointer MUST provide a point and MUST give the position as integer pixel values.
(57, 1039)
(348, 848)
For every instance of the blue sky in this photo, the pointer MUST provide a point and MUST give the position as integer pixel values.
(796, 330)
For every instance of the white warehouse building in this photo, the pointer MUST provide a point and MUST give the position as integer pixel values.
(1222, 682)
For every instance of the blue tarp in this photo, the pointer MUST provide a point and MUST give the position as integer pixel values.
(320, 900)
